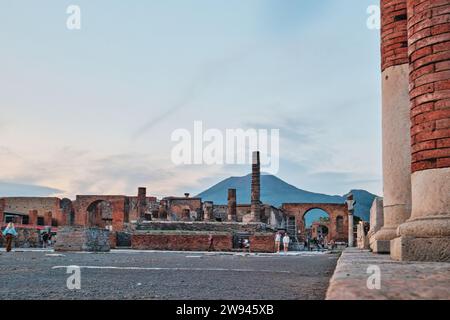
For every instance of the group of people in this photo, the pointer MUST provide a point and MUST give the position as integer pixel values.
(279, 237)
(10, 232)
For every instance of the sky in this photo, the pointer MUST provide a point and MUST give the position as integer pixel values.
(91, 111)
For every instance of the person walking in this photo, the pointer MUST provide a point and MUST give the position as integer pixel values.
(286, 241)
(44, 239)
(278, 241)
(211, 243)
(9, 233)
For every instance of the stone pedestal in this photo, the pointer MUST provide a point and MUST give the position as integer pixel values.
(376, 219)
(426, 235)
(83, 239)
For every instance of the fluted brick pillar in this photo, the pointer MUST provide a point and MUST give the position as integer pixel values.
(395, 122)
(426, 235)
(231, 209)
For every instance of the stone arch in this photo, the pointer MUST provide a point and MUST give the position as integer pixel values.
(334, 210)
(99, 214)
(84, 206)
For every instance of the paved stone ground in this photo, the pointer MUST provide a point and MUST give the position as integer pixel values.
(399, 280)
(131, 274)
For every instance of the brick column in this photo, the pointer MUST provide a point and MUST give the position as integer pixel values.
(426, 235)
(231, 209)
(142, 203)
(256, 188)
(48, 219)
(33, 217)
(395, 122)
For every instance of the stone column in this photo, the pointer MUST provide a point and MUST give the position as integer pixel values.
(426, 235)
(395, 122)
(351, 236)
(33, 217)
(256, 188)
(142, 203)
(231, 209)
(208, 210)
(351, 208)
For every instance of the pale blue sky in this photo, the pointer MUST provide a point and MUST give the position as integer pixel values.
(92, 110)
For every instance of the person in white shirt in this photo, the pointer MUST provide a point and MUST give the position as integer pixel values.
(286, 241)
(277, 241)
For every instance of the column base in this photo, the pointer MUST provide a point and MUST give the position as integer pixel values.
(380, 242)
(381, 246)
(421, 249)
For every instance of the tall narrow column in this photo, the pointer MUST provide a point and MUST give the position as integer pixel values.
(256, 188)
(426, 235)
(142, 203)
(395, 122)
(231, 209)
(351, 210)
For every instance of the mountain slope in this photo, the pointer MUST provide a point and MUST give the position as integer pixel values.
(275, 191)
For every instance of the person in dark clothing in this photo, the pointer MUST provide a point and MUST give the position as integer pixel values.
(211, 243)
(44, 239)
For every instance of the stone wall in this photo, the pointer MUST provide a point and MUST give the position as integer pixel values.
(262, 242)
(202, 226)
(181, 241)
(83, 239)
(26, 238)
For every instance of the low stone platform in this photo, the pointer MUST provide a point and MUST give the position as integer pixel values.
(203, 226)
(399, 280)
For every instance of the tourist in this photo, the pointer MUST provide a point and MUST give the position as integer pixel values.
(247, 245)
(50, 235)
(211, 243)
(44, 239)
(277, 241)
(286, 241)
(9, 233)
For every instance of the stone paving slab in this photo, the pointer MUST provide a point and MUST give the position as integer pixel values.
(398, 280)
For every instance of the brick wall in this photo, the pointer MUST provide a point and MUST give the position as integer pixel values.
(262, 243)
(394, 37)
(429, 55)
(180, 241)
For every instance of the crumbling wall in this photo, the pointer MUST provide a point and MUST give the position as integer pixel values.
(83, 239)
(181, 241)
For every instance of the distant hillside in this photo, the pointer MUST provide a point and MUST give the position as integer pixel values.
(275, 191)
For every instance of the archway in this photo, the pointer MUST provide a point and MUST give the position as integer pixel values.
(316, 223)
(337, 223)
(99, 214)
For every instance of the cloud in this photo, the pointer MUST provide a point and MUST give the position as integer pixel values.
(9, 189)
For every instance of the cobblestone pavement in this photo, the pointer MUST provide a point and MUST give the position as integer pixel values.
(165, 275)
(398, 280)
